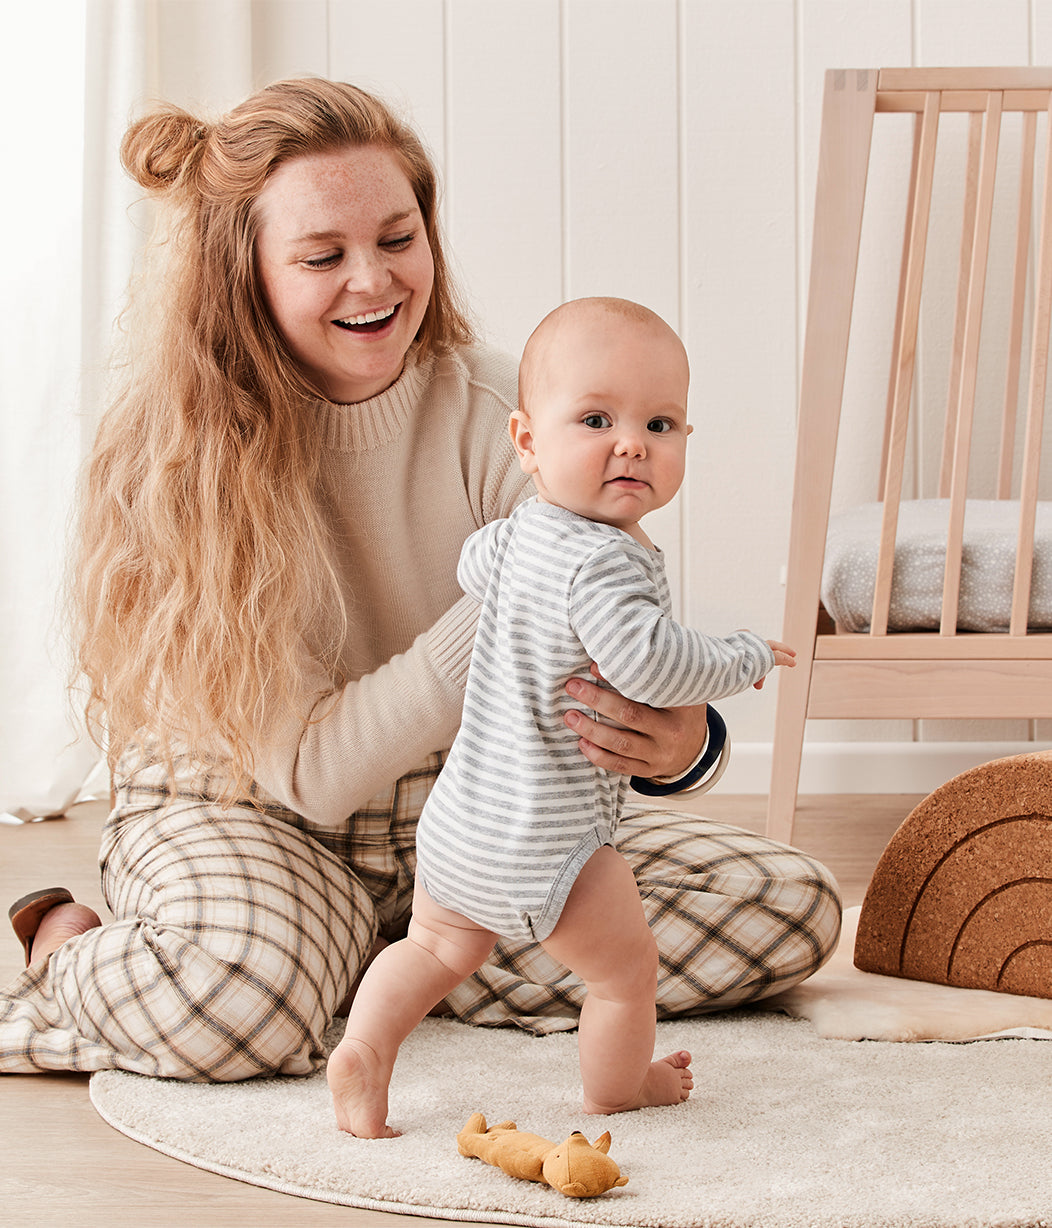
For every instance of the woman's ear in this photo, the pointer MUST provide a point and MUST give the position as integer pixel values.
(522, 439)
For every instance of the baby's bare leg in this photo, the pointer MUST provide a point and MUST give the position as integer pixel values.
(602, 936)
(400, 986)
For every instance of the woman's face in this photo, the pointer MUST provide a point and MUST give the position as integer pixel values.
(346, 267)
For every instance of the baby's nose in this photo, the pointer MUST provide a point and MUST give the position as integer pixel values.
(631, 443)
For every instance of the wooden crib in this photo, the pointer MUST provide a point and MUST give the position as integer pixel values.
(929, 593)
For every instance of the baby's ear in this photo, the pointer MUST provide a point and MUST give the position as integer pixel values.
(522, 439)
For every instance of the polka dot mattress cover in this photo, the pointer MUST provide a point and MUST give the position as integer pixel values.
(987, 566)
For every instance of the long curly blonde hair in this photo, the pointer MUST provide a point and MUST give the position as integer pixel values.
(202, 553)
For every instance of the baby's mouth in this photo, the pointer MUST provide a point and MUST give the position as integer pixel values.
(369, 321)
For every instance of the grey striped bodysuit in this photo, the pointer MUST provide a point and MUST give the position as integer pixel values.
(517, 809)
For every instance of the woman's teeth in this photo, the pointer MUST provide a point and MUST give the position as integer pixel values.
(370, 317)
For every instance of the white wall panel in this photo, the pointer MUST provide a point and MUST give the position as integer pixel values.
(290, 38)
(399, 52)
(972, 31)
(621, 152)
(207, 62)
(739, 269)
(504, 161)
(621, 172)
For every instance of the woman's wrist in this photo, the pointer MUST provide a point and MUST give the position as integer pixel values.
(704, 770)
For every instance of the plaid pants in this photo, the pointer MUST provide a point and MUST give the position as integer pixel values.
(240, 928)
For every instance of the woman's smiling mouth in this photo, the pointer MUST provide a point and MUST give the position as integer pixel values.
(370, 321)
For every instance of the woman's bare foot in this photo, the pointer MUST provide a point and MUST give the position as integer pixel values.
(358, 1080)
(668, 1081)
(59, 925)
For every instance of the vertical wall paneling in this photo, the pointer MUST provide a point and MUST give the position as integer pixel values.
(503, 163)
(206, 64)
(739, 269)
(290, 38)
(621, 173)
(621, 116)
(398, 52)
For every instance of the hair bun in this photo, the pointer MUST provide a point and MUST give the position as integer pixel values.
(163, 148)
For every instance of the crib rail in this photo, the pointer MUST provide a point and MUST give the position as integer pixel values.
(984, 137)
(986, 109)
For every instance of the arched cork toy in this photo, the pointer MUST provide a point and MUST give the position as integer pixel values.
(963, 892)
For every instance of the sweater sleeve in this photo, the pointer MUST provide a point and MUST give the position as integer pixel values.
(643, 652)
(358, 740)
(329, 753)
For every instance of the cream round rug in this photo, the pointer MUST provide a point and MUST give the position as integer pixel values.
(785, 1129)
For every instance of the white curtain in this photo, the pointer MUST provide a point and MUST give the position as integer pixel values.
(72, 227)
(42, 151)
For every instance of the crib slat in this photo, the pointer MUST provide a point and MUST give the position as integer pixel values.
(1035, 413)
(960, 315)
(896, 336)
(906, 354)
(1010, 410)
(966, 404)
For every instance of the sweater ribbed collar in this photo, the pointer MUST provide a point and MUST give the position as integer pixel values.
(371, 424)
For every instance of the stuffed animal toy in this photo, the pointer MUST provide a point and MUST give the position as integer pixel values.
(576, 1167)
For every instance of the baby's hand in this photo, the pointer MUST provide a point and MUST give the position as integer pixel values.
(783, 655)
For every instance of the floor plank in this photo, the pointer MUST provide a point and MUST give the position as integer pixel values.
(62, 1164)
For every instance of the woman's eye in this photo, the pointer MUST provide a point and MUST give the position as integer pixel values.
(322, 262)
(397, 244)
(596, 421)
(659, 426)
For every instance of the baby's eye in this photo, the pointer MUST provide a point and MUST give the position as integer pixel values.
(659, 426)
(596, 422)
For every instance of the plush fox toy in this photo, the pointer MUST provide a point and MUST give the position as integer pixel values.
(576, 1167)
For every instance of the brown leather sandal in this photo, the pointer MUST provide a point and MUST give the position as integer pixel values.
(27, 913)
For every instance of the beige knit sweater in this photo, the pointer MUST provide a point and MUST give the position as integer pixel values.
(407, 477)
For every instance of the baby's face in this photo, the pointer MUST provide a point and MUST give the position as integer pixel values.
(605, 428)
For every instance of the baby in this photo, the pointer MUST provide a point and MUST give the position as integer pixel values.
(518, 837)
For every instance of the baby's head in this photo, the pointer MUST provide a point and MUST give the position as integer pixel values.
(602, 417)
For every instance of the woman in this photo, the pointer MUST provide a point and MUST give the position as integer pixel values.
(275, 643)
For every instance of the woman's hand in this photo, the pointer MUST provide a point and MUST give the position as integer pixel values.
(653, 742)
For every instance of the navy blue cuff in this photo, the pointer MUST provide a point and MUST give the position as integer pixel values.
(717, 741)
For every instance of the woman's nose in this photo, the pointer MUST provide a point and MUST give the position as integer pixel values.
(368, 274)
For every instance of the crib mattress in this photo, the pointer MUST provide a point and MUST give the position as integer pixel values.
(987, 566)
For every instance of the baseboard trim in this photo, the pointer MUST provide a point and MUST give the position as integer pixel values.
(867, 767)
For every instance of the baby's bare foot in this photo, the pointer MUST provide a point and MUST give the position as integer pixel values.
(668, 1081)
(358, 1080)
(59, 925)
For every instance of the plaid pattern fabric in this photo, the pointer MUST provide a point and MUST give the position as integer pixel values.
(736, 916)
(239, 929)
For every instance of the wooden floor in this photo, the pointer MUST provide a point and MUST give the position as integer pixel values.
(60, 1164)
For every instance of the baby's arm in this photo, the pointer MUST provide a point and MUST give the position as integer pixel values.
(646, 655)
